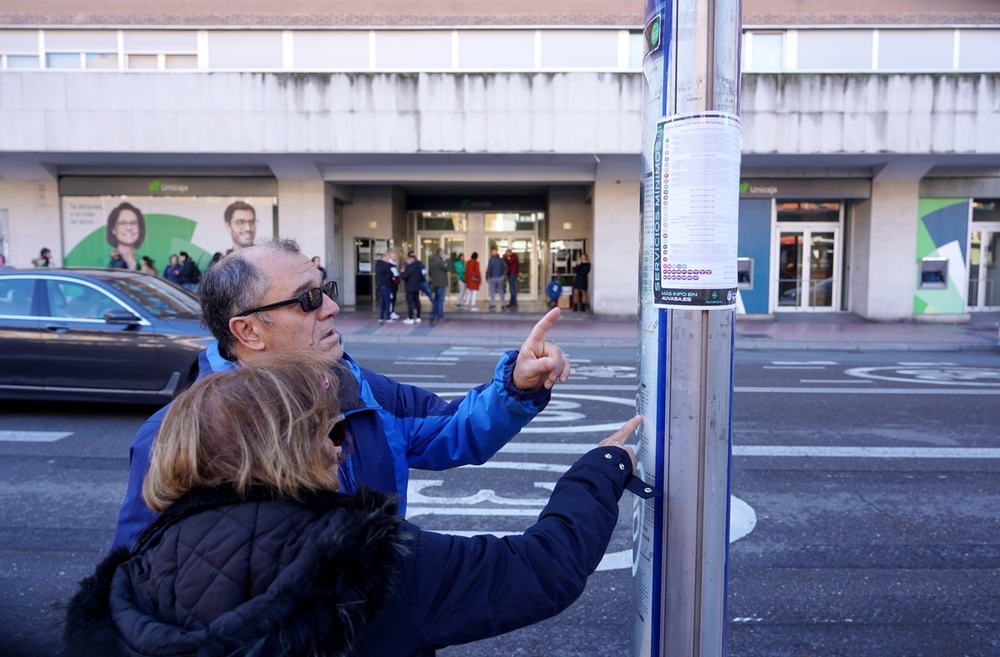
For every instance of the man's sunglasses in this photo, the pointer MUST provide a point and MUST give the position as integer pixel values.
(338, 432)
(310, 300)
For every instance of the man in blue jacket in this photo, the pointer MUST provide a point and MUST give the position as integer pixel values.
(269, 297)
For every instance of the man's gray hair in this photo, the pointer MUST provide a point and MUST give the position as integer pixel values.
(233, 285)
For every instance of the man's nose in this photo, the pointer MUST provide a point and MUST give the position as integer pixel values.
(330, 308)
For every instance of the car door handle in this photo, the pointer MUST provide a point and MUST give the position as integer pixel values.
(57, 328)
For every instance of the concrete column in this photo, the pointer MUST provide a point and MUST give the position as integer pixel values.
(614, 279)
(883, 248)
(33, 220)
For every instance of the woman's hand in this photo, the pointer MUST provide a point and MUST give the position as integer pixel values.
(618, 438)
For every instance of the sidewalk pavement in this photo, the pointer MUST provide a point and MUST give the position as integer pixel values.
(798, 331)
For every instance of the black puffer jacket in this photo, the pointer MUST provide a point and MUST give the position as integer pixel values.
(338, 574)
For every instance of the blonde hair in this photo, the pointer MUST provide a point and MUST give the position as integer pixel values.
(264, 423)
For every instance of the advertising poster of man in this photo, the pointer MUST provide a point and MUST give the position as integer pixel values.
(158, 227)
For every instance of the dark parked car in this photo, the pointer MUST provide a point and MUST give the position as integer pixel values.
(96, 334)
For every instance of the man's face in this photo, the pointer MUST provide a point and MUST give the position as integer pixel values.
(292, 329)
(243, 227)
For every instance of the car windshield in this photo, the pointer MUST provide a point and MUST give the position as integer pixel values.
(157, 297)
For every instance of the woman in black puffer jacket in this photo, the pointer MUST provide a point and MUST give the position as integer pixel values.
(256, 553)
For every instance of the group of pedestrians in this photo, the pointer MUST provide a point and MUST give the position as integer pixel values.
(265, 506)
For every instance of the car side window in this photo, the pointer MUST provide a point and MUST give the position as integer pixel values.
(15, 296)
(76, 301)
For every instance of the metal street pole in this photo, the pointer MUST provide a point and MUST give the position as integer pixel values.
(691, 168)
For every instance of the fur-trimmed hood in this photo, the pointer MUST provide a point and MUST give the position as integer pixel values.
(221, 574)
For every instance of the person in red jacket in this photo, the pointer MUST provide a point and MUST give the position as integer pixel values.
(473, 277)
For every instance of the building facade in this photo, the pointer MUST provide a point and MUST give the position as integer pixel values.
(871, 140)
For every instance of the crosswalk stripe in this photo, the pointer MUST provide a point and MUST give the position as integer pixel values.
(33, 436)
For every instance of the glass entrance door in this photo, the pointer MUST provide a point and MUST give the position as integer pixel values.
(984, 270)
(523, 247)
(806, 269)
(453, 245)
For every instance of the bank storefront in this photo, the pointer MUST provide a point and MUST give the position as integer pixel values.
(792, 237)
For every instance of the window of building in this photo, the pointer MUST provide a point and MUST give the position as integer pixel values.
(245, 49)
(809, 211)
(636, 50)
(579, 49)
(496, 49)
(765, 51)
(986, 210)
(447, 221)
(143, 61)
(100, 60)
(834, 50)
(63, 60)
(916, 50)
(512, 221)
(22, 61)
(19, 49)
(331, 51)
(160, 49)
(979, 50)
(180, 61)
(66, 49)
(413, 50)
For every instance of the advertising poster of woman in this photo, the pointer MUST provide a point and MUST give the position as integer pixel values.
(157, 227)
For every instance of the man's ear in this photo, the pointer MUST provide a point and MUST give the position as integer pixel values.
(245, 330)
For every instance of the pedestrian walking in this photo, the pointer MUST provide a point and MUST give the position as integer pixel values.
(439, 269)
(496, 270)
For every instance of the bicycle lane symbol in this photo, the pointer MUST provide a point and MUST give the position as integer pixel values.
(932, 374)
(560, 417)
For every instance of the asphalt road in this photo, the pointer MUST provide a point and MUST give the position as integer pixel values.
(872, 477)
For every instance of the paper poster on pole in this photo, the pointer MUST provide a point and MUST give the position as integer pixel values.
(696, 178)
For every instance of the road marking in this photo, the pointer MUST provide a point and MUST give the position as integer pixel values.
(869, 391)
(854, 381)
(422, 376)
(950, 376)
(868, 452)
(918, 363)
(795, 451)
(795, 367)
(465, 387)
(33, 436)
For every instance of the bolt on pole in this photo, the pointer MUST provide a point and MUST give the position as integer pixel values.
(688, 279)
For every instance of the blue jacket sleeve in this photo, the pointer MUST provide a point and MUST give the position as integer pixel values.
(465, 589)
(135, 516)
(437, 435)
